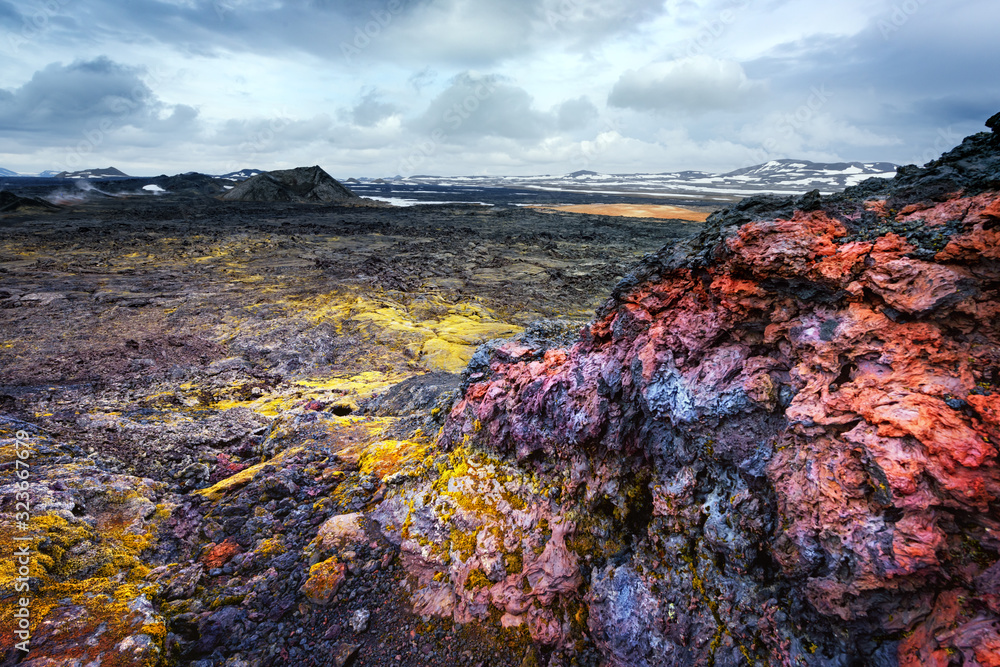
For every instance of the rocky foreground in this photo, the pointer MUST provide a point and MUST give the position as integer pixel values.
(775, 444)
(194, 378)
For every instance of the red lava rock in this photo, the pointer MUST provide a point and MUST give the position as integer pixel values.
(226, 467)
(842, 367)
(217, 555)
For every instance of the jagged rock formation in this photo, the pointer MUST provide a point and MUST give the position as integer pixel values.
(776, 445)
(303, 184)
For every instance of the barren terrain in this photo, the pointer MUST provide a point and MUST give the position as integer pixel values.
(156, 346)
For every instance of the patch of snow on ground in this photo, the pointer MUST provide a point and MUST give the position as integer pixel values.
(401, 201)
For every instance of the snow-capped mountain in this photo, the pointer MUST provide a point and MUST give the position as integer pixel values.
(109, 172)
(8, 172)
(241, 175)
(777, 176)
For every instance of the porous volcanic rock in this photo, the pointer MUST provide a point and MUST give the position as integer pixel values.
(777, 445)
(303, 184)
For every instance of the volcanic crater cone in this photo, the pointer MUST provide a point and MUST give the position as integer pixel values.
(302, 184)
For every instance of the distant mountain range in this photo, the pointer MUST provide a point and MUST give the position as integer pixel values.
(776, 176)
(112, 172)
(109, 172)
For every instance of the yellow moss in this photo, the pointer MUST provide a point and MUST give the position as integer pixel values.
(227, 601)
(513, 562)
(477, 579)
(440, 355)
(244, 477)
(443, 336)
(345, 390)
(389, 456)
(404, 531)
(270, 547)
(99, 569)
(481, 471)
(464, 543)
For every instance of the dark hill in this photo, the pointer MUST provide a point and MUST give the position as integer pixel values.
(109, 172)
(10, 202)
(303, 184)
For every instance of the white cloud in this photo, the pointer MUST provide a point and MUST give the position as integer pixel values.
(481, 105)
(206, 79)
(692, 84)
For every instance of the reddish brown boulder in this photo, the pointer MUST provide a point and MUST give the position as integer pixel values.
(810, 393)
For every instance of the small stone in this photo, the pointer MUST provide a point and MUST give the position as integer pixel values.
(359, 620)
(332, 632)
(342, 653)
(324, 581)
(219, 554)
(339, 531)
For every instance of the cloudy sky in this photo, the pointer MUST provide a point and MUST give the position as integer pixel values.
(489, 86)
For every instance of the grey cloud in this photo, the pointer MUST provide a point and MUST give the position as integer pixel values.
(64, 100)
(484, 106)
(271, 133)
(589, 22)
(262, 142)
(9, 16)
(422, 79)
(574, 114)
(469, 32)
(371, 109)
(917, 77)
(181, 118)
